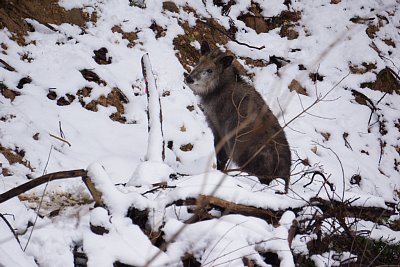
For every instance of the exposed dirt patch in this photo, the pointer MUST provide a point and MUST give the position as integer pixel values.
(100, 56)
(297, 87)
(389, 42)
(397, 124)
(8, 93)
(65, 100)
(373, 24)
(15, 156)
(315, 76)
(387, 81)
(158, 30)
(52, 95)
(130, 36)
(7, 118)
(170, 6)
(255, 62)
(285, 20)
(253, 19)
(53, 202)
(14, 12)
(205, 30)
(208, 30)
(364, 68)
(187, 147)
(362, 99)
(91, 76)
(115, 98)
(288, 31)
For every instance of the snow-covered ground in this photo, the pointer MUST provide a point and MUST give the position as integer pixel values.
(329, 131)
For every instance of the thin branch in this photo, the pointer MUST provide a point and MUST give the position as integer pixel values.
(60, 139)
(41, 200)
(12, 230)
(341, 166)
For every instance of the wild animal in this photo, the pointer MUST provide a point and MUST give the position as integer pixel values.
(244, 128)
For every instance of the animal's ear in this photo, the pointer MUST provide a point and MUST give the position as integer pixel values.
(226, 61)
(205, 48)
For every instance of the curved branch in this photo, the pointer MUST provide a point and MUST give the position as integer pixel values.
(41, 180)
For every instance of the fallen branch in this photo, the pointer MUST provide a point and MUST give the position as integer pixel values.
(334, 208)
(41, 180)
(6, 65)
(93, 191)
(227, 207)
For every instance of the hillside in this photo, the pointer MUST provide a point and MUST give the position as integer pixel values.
(72, 97)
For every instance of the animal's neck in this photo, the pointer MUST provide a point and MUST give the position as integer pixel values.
(229, 77)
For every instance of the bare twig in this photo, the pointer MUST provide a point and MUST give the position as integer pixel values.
(41, 199)
(11, 229)
(319, 99)
(60, 139)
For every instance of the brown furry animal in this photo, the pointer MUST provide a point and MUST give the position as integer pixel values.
(244, 128)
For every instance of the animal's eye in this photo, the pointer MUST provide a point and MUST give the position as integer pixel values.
(209, 71)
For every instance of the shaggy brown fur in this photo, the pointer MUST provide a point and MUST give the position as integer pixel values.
(239, 118)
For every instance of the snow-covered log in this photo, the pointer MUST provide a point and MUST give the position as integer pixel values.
(155, 148)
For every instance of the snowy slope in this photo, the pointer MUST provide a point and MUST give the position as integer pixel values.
(329, 131)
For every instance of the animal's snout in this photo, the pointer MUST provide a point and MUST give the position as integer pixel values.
(189, 80)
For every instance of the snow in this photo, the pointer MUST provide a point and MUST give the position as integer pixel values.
(155, 143)
(125, 154)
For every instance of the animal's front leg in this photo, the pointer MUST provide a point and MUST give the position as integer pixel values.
(222, 156)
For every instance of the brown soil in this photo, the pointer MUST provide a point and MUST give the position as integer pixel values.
(364, 68)
(296, 86)
(209, 31)
(387, 81)
(170, 6)
(115, 98)
(286, 19)
(130, 36)
(8, 93)
(187, 147)
(13, 157)
(14, 12)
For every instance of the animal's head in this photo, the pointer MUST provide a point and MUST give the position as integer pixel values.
(206, 75)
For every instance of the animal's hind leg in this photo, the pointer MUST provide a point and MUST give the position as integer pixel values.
(267, 179)
(287, 181)
(222, 159)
